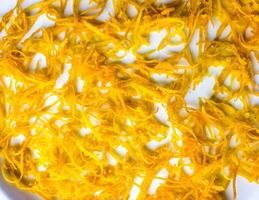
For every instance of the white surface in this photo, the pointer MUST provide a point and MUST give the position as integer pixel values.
(28, 3)
(135, 190)
(245, 190)
(161, 176)
(39, 60)
(7, 6)
(17, 140)
(202, 91)
(42, 22)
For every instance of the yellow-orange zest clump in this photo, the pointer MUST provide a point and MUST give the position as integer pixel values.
(129, 99)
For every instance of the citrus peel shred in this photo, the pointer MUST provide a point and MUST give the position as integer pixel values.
(124, 99)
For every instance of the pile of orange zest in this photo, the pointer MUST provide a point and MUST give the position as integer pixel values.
(79, 121)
